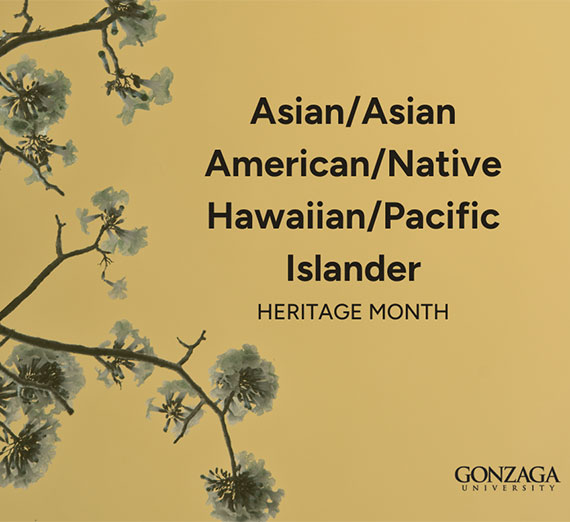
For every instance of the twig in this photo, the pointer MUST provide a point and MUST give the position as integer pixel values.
(27, 16)
(190, 347)
(4, 341)
(188, 419)
(98, 16)
(110, 50)
(43, 387)
(58, 245)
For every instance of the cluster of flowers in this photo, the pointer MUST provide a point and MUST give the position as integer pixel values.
(126, 338)
(32, 385)
(111, 205)
(247, 495)
(242, 382)
(138, 22)
(34, 99)
(33, 102)
(36, 385)
(28, 411)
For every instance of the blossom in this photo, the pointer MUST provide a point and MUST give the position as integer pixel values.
(35, 99)
(132, 102)
(39, 148)
(128, 242)
(84, 218)
(159, 84)
(112, 236)
(67, 153)
(245, 380)
(109, 199)
(113, 366)
(58, 370)
(139, 21)
(130, 89)
(26, 456)
(131, 241)
(112, 203)
(118, 288)
(178, 415)
(248, 495)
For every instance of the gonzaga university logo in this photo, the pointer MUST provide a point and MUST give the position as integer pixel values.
(507, 478)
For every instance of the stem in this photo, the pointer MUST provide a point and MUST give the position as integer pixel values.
(58, 243)
(38, 36)
(110, 50)
(228, 402)
(228, 443)
(190, 347)
(26, 15)
(188, 419)
(37, 386)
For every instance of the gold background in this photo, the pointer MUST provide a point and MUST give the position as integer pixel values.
(372, 417)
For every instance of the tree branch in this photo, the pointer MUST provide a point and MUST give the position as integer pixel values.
(190, 347)
(37, 168)
(110, 352)
(38, 36)
(98, 353)
(188, 419)
(29, 384)
(10, 307)
(26, 15)
(228, 441)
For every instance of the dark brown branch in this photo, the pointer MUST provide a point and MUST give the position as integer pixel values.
(188, 419)
(38, 36)
(29, 384)
(26, 15)
(10, 307)
(228, 441)
(58, 244)
(98, 353)
(108, 352)
(4, 341)
(37, 168)
(190, 347)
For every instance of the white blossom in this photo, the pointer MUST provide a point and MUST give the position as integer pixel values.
(142, 27)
